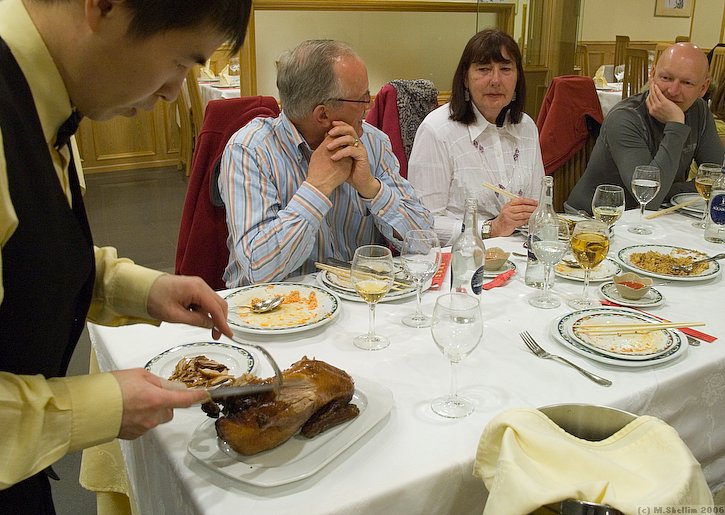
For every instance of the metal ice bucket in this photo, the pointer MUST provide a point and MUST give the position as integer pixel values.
(588, 421)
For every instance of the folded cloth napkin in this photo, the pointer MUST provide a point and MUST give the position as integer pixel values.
(206, 73)
(526, 461)
(224, 79)
(599, 80)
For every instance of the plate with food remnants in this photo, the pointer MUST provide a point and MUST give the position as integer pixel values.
(604, 271)
(628, 349)
(303, 307)
(302, 437)
(661, 261)
(202, 364)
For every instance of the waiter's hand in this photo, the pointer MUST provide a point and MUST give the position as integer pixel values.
(188, 300)
(146, 403)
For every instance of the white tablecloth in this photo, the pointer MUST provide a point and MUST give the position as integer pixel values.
(415, 461)
(212, 92)
(609, 97)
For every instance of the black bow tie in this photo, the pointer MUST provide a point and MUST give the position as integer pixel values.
(68, 129)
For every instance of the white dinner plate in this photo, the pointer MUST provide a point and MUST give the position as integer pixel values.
(331, 282)
(712, 270)
(298, 457)
(698, 208)
(508, 265)
(628, 346)
(604, 271)
(652, 298)
(290, 317)
(236, 359)
(561, 331)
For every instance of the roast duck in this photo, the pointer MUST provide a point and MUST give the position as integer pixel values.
(314, 397)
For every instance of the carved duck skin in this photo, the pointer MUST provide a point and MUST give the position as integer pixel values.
(314, 397)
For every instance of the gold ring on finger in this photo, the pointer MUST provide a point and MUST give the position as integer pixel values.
(356, 142)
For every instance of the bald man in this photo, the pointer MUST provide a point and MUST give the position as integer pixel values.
(667, 127)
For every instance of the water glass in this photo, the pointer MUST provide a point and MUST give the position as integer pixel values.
(457, 327)
(550, 241)
(421, 256)
(645, 186)
(371, 275)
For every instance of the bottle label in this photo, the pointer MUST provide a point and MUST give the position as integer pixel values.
(717, 209)
(477, 281)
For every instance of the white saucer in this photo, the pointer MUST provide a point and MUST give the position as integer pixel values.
(652, 298)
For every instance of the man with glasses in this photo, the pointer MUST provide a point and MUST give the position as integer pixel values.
(316, 182)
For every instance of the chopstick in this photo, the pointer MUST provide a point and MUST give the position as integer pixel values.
(499, 190)
(397, 285)
(672, 208)
(604, 329)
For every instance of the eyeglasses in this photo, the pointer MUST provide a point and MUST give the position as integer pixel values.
(365, 101)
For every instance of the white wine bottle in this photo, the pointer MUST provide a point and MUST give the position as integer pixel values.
(468, 254)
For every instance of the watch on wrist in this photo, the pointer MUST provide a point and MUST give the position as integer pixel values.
(486, 229)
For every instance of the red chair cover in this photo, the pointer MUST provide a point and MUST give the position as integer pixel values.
(384, 115)
(202, 246)
(562, 122)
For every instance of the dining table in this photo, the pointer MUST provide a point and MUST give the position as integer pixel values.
(609, 96)
(412, 460)
(211, 90)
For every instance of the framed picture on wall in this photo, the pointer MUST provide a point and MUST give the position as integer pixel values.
(679, 8)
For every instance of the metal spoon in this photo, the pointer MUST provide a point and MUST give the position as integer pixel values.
(688, 268)
(264, 305)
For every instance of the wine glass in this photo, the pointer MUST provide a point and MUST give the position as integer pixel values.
(608, 204)
(371, 275)
(456, 327)
(421, 256)
(589, 244)
(706, 175)
(645, 185)
(550, 241)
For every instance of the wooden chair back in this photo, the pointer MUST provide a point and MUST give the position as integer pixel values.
(636, 71)
(661, 47)
(186, 138)
(197, 108)
(567, 176)
(717, 65)
(581, 61)
(682, 39)
(621, 44)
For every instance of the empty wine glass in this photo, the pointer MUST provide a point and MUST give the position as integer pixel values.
(590, 245)
(456, 327)
(550, 241)
(372, 275)
(645, 185)
(608, 203)
(421, 256)
(706, 175)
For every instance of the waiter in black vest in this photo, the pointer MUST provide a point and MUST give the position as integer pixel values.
(60, 60)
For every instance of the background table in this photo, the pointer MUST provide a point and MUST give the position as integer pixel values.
(209, 91)
(415, 461)
(610, 97)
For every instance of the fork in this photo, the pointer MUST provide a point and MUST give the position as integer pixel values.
(541, 353)
(688, 268)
